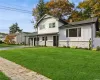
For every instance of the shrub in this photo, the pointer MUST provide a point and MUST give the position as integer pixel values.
(68, 46)
(64, 46)
(1, 42)
(90, 44)
(98, 48)
(86, 48)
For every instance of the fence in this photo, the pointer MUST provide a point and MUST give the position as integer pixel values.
(96, 42)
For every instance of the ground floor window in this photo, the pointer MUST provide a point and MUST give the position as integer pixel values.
(75, 32)
(44, 38)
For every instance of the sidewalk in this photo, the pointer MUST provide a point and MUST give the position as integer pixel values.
(17, 72)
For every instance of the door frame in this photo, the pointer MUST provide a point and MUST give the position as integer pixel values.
(34, 41)
(55, 40)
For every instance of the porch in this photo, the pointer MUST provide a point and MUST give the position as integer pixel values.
(43, 39)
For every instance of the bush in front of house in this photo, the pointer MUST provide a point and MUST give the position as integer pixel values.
(98, 48)
(1, 42)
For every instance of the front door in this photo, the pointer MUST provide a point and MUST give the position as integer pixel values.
(55, 40)
(34, 41)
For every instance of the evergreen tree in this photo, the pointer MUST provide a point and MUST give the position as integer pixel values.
(40, 10)
(14, 28)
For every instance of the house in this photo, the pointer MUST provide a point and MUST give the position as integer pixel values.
(2, 36)
(52, 31)
(20, 37)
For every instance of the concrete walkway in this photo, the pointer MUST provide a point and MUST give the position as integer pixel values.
(17, 72)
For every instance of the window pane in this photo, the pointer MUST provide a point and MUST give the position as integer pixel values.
(79, 32)
(73, 32)
(53, 25)
(50, 25)
(42, 38)
(67, 33)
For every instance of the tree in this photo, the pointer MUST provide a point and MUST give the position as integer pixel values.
(90, 8)
(59, 8)
(85, 10)
(14, 28)
(75, 16)
(9, 39)
(40, 10)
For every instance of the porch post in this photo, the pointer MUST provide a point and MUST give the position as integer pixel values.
(25, 40)
(37, 40)
(29, 41)
(45, 40)
(57, 40)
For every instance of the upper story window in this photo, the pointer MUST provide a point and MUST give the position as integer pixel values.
(42, 27)
(52, 25)
(76, 32)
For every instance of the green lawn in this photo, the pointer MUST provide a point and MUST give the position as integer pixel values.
(6, 45)
(58, 63)
(3, 77)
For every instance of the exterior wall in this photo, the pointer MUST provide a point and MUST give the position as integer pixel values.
(96, 42)
(82, 44)
(20, 38)
(82, 41)
(47, 29)
(49, 41)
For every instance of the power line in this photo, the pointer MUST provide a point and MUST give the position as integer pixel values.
(15, 9)
(12, 5)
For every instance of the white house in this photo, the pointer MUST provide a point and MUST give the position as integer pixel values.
(52, 31)
(20, 38)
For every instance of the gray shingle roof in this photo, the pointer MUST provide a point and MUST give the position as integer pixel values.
(88, 21)
(32, 34)
(85, 21)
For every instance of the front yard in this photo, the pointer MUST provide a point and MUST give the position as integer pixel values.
(58, 63)
(7, 45)
(3, 77)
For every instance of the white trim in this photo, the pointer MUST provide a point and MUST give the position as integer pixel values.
(77, 32)
(73, 41)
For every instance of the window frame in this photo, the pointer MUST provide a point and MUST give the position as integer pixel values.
(43, 38)
(78, 35)
(52, 25)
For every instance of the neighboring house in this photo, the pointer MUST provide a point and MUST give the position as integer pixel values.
(52, 31)
(20, 38)
(2, 36)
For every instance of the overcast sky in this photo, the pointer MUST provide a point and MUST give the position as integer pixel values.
(7, 17)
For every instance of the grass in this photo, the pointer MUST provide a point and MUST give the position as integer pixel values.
(7, 45)
(3, 77)
(58, 63)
